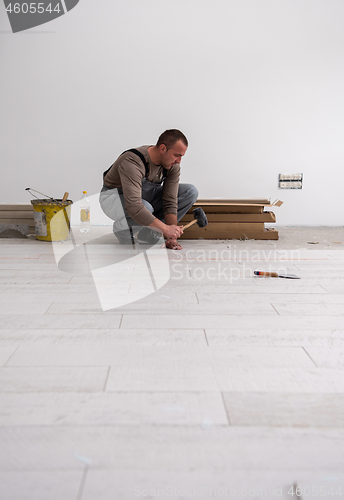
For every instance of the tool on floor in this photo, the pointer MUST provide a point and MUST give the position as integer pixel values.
(200, 218)
(276, 275)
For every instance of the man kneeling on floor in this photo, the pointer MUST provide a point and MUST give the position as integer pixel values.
(142, 193)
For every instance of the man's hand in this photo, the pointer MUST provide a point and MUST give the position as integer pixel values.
(172, 232)
(170, 229)
(173, 244)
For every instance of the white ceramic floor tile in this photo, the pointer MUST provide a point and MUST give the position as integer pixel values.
(82, 280)
(18, 307)
(330, 265)
(60, 321)
(249, 288)
(205, 447)
(30, 264)
(269, 298)
(93, 307)
(48, 379)
(112, 409)
(163, 376)
(32, 271)
(6, 351)
(251, 357)
(327, 357)
(7, 273)
(104, 337)
(281, 380)
(233, 321)
(62, 290)
(284, 410)
(310, 309)
(321, 338)
(228, 483)
(225, 307)
(316, 273)
(334, 288)
(158, 356)
(65, 355)
(34, 280)
(294, 284)
(34, 297)
(40, 485)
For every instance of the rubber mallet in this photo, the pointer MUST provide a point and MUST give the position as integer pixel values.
(200, 218)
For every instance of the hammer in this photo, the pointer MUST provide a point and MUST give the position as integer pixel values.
(200, 218)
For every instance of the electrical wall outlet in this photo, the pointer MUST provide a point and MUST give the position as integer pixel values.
(290, 181)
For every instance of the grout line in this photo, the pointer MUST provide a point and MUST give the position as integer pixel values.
(107, 378)
(150, 272)
(226, 409)
(310, 357)
(275, 309)
(52, 303)
(82, 484)
(194, 425)
(11, 356)
(206, 338)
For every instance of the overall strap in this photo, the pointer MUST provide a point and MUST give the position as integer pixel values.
(137, 153)
(142, 158)
(140, 155)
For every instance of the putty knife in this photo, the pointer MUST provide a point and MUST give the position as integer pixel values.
(276, 275)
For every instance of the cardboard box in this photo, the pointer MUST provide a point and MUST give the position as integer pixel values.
(265, 234)
(233, 219)
(249, 206)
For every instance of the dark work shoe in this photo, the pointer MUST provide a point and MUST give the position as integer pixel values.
(124, 237)
(147, 235)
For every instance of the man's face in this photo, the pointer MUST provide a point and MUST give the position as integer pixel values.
(173, 155)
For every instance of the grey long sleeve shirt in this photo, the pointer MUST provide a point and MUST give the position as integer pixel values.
(127, 173)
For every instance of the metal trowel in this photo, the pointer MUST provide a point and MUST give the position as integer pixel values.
(277, 275)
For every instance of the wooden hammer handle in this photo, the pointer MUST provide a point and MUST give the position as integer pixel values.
(190, 224)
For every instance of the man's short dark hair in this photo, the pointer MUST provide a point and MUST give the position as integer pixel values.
(170, 137)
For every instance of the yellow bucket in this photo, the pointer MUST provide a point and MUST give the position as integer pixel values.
(52, 219)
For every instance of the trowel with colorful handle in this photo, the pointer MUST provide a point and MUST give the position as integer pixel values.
(276, 275)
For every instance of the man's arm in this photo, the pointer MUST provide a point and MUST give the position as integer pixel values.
(171, 231)
(171, 219)
(172, 243)
(170, 204)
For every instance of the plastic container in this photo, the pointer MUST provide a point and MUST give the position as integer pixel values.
(85, 213)
(52, 219)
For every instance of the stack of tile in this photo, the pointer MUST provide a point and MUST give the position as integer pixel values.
(233, 219)
(17, 218)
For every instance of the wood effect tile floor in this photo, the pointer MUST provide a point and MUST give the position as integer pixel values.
(218, 384)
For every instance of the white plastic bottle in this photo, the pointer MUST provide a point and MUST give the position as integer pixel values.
(85, 212)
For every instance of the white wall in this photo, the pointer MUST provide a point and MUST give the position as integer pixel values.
(256, 85)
